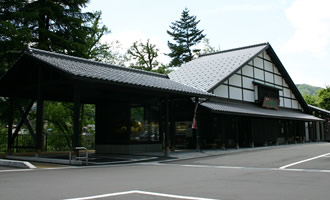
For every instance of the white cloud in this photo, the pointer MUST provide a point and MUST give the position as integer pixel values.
(128, 37)
(311, 20)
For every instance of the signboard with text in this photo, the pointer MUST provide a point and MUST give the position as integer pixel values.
(270, 102)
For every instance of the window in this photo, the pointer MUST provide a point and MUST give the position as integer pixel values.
(144, 124)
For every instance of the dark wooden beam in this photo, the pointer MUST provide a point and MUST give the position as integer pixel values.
(166, 149)
(40, 114)
(39, 125)
(21, 122)
(76, 119)
(172, 125)
(10, 125)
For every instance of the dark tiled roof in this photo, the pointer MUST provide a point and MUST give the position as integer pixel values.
(113, 74)
(249, 109)
(327, 112)
(208, 70)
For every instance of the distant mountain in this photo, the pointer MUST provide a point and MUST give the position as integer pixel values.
(308, 89)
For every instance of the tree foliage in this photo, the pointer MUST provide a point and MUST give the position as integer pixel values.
(185, 35)
(58, 26)
(324, 98)
(143, 55)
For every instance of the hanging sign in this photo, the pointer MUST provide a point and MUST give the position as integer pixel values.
(270, 102)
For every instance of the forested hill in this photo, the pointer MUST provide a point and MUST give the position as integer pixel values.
(308, 89)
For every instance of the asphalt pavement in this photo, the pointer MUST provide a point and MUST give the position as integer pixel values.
(283, 172)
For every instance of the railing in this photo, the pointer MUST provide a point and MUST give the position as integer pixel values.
(52, 142)
(78, 157)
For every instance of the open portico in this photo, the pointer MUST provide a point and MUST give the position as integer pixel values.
(118, 93)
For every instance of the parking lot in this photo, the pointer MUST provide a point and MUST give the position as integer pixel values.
(279, 172)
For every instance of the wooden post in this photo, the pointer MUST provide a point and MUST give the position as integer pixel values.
(166, 149)
(236, 129)
(172, 125)
(40, 113)
(39, 125)
(10, 125)
(252, 136)
(197, 126)
(223, 130)
(76, 119)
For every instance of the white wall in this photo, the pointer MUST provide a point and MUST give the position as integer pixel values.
(261, 69)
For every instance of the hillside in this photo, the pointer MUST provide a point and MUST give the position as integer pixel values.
(308, 89)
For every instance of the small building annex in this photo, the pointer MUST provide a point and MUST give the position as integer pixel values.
(256, 101)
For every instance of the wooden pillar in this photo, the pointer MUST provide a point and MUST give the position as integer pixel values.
(172, 125)
(251, 130)
(76, 119)
(40, 114)
(10, 125)
(309, 131)
(166, 149)
(197, 125)
(236, 131)
(39, 125)
(223, 133)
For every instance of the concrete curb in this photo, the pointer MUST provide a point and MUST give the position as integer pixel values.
(17, 164)
(46, 160)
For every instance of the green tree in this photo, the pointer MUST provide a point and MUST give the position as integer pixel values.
(143, 55)
(185, 35)
(324, 98)
(311, 99)
(15, 34)
(58, 26)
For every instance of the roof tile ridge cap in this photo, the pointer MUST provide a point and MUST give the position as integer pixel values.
(74, 58)
(235, 49)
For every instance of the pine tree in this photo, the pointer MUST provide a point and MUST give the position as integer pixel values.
(54, 25)
(186, 35)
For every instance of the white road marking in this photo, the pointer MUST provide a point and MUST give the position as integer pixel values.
(302, 161)
(141, 192)
(247, 168)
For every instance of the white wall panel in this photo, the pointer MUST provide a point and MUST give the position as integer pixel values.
(235, 80)
(287, 103)
(247, 83)
(295, 104)
(259, 74)
(221, 91)
(285, 84)
(247, 71)
(248, 95)
(266, 56)
(281, 102)
(268, 66)
(276, 70)
(281, 93)
(278, 80)
(235, 93)
(269, 77)
(258, 62)
(287, 92)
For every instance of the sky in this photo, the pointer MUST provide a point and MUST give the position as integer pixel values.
(298, 30)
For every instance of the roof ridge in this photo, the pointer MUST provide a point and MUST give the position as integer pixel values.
(234, 49)
(31, 50)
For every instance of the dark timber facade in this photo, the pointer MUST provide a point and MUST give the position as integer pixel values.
(119, 94)
(238, 98)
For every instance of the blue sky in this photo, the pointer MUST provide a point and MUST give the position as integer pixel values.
(298, 30)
